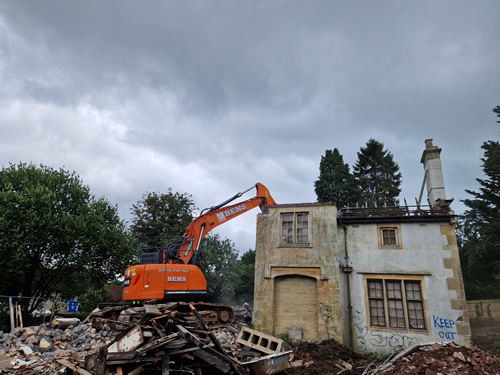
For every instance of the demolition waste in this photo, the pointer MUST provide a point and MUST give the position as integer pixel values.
(176, 339)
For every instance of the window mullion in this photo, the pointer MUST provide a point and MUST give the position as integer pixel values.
(405, 304)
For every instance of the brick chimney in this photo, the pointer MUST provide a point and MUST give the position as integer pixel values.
(431, 160)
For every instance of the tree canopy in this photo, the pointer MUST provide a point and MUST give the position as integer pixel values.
(479, 229)
(219, 264)
(245, 284)
(55, 235)
(156, 216)
(335, 182)
(377, 176)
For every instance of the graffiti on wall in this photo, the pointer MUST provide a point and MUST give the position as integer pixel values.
(376, 338)
(445, 327)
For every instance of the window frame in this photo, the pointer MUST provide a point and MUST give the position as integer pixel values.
(381, 229)
(297, 231)
(410, 314)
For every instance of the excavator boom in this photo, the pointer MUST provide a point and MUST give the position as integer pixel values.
(172, 274)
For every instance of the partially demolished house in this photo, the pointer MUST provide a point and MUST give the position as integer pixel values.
(374, 279)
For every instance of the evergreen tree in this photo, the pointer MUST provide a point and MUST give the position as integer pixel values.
(479, 229)
(335, 183)
(377, 176)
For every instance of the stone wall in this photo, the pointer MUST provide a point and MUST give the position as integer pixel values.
(484, 309)
(297, 285)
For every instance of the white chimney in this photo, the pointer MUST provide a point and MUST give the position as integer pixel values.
(431, 160)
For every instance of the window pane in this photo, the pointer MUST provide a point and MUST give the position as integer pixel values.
(303, 228)
(376, 303)
(287, 228)
(375, 289)
(395, 304)
(389, 237)
(415, 305)
(394, 289)
(396, 313)
(377, 315)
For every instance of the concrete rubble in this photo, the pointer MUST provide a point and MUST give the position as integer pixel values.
(124, 340)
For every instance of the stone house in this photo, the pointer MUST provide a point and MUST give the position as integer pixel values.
(373, 279)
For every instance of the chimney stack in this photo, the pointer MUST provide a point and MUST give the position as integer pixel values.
(431, 160)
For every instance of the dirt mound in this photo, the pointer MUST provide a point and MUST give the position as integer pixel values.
(330, 357)
(323, 359)
(447, 359)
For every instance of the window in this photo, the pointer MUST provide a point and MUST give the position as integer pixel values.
(295, 228)
(396, 303)
(389, 236)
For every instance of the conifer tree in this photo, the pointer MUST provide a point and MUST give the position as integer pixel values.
(377, 176)
(335, 182)
(479, 229)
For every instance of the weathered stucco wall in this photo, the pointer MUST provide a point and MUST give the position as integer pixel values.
(298, 285)
(428, 252)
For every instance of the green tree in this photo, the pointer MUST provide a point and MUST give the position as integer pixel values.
(245, 283)
(376, 175)
(219, 264)
(156, 216)
(55, 235)
(335, 183)
(479, 229)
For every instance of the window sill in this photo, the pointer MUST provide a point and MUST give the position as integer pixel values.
(390, 248)
(295, 245)
(423, 331)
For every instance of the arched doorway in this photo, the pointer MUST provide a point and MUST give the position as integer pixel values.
(296, 304)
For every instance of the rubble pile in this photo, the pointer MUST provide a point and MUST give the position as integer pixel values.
(330, 357)
(443, 359)
(151, 339)
(41, 349)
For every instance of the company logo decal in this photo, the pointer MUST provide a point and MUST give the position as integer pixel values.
(176, 279)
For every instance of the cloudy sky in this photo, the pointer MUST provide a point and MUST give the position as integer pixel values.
(210, 97)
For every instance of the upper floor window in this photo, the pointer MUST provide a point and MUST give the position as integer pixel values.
(396, 303)
(389, 236)
(295, 228)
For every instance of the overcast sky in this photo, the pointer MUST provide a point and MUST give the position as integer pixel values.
(209, 97)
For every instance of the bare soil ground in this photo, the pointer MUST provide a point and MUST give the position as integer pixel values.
(483, 358)
(486, 335)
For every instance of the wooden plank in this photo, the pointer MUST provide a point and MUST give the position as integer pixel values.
(157, 343)
(71, 366)
(220, 365)
(131, 341)
(216, 342)
(189, 336)
(120, 356)
(152, 309)
(137, 370)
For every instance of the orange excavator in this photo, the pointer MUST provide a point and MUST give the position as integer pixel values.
(171, 273)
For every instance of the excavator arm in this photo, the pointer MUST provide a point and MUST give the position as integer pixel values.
(171, 274)
(213, 217)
